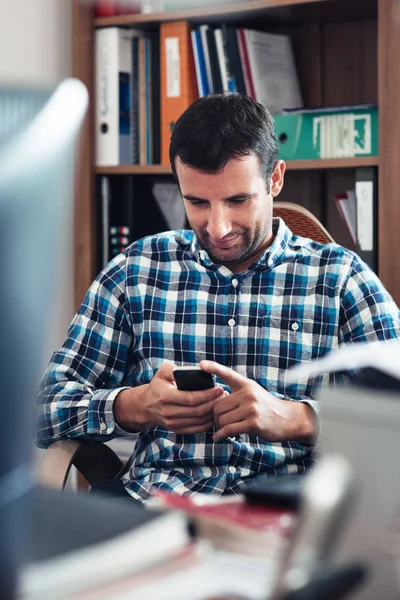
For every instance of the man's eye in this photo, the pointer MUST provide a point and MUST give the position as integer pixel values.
(197, 202)
(238, 201)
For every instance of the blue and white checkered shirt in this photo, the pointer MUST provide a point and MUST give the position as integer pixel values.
(164, 299)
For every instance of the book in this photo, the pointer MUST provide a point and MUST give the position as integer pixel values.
(244, 59)
(77, 541)
(105, 8)
(347, 208)
(203, 29)
(366, 201)
(199, 62)
(155, 97)
(214, 61)
(178, 78)
(143, 139)
(233, 525)
(113, 73)
(135, 121)
(226, 76)
(272, 71)
(235, 65)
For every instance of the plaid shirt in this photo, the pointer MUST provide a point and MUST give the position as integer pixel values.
(164, 299)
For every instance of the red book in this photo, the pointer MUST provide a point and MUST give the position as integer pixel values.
(127, 7)
(232, 524)
(105, 8)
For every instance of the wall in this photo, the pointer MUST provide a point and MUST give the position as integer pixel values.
(36, 48)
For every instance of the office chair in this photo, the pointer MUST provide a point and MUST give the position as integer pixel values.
(302, 222)
(96, 461)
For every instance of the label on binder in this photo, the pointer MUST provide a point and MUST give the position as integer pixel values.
(173, 69)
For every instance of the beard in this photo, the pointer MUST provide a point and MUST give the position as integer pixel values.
(245, 244)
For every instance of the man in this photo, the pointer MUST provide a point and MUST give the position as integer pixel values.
(240, 295)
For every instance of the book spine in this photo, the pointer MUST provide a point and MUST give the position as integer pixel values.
(142, 103)
(107, 96)
(135, 101)
(243, 61)
(178, 78)
(207, 59)
(125, 76)
(235, 66)
(222, 60)
(214, 62)
(156, 119)
(248, 68)
(149, 108)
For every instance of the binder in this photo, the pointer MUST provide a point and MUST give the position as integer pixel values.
(200, 65)
(178, 78)
(235, 65)
(113, 73)
(367, 225)
(204, 29)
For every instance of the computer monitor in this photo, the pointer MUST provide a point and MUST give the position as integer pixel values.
(38, 132)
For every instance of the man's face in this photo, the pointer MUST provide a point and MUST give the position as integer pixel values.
(231, 211)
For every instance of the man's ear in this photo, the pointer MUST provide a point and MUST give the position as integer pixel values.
(277, 177)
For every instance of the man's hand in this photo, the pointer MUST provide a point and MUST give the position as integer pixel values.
(251, 409)
(161, 403)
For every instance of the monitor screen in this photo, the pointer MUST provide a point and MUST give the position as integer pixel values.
(38, 131)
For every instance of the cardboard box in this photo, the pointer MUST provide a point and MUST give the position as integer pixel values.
(336, 132)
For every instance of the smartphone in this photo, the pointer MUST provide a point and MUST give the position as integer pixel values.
(192, 379)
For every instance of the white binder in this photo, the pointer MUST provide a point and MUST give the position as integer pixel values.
(113, 79)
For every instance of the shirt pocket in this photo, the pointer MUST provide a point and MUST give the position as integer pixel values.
(285, 342)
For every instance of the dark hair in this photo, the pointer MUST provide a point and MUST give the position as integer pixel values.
(219, 127)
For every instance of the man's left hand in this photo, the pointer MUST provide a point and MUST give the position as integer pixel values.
(252, 410)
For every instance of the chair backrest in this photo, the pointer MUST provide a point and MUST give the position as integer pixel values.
(302, 222)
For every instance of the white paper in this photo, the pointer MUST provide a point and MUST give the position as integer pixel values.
(173, 67)
(169, 200)
(365, 217)
(384, 356)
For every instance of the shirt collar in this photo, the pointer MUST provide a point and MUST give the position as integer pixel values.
(272, 255)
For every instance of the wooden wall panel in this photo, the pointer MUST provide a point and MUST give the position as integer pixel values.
(307, 47)
(303, 187)
(83, 52)
(389, 145)
(349, 62)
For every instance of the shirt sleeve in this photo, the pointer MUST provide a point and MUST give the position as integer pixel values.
(78, 390)
(368, 312)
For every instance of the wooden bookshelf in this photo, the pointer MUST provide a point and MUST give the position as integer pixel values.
(346, 53)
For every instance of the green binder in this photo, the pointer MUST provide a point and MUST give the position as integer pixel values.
(335, 132)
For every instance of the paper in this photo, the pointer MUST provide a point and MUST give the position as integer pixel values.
(365, 218)
(384, 356)
(168, 198)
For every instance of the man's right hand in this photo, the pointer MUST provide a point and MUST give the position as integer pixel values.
(161, 403)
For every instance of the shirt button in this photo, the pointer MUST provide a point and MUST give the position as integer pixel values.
(202, 254)
(231, 322)
(232, 469)
(295, 326)
(103, 426)
(235, 282)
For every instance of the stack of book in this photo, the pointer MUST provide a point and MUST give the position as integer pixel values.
(255, 63)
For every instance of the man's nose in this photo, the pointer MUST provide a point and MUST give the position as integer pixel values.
(219, 224)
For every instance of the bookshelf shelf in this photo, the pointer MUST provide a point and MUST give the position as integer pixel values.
(293, 165)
